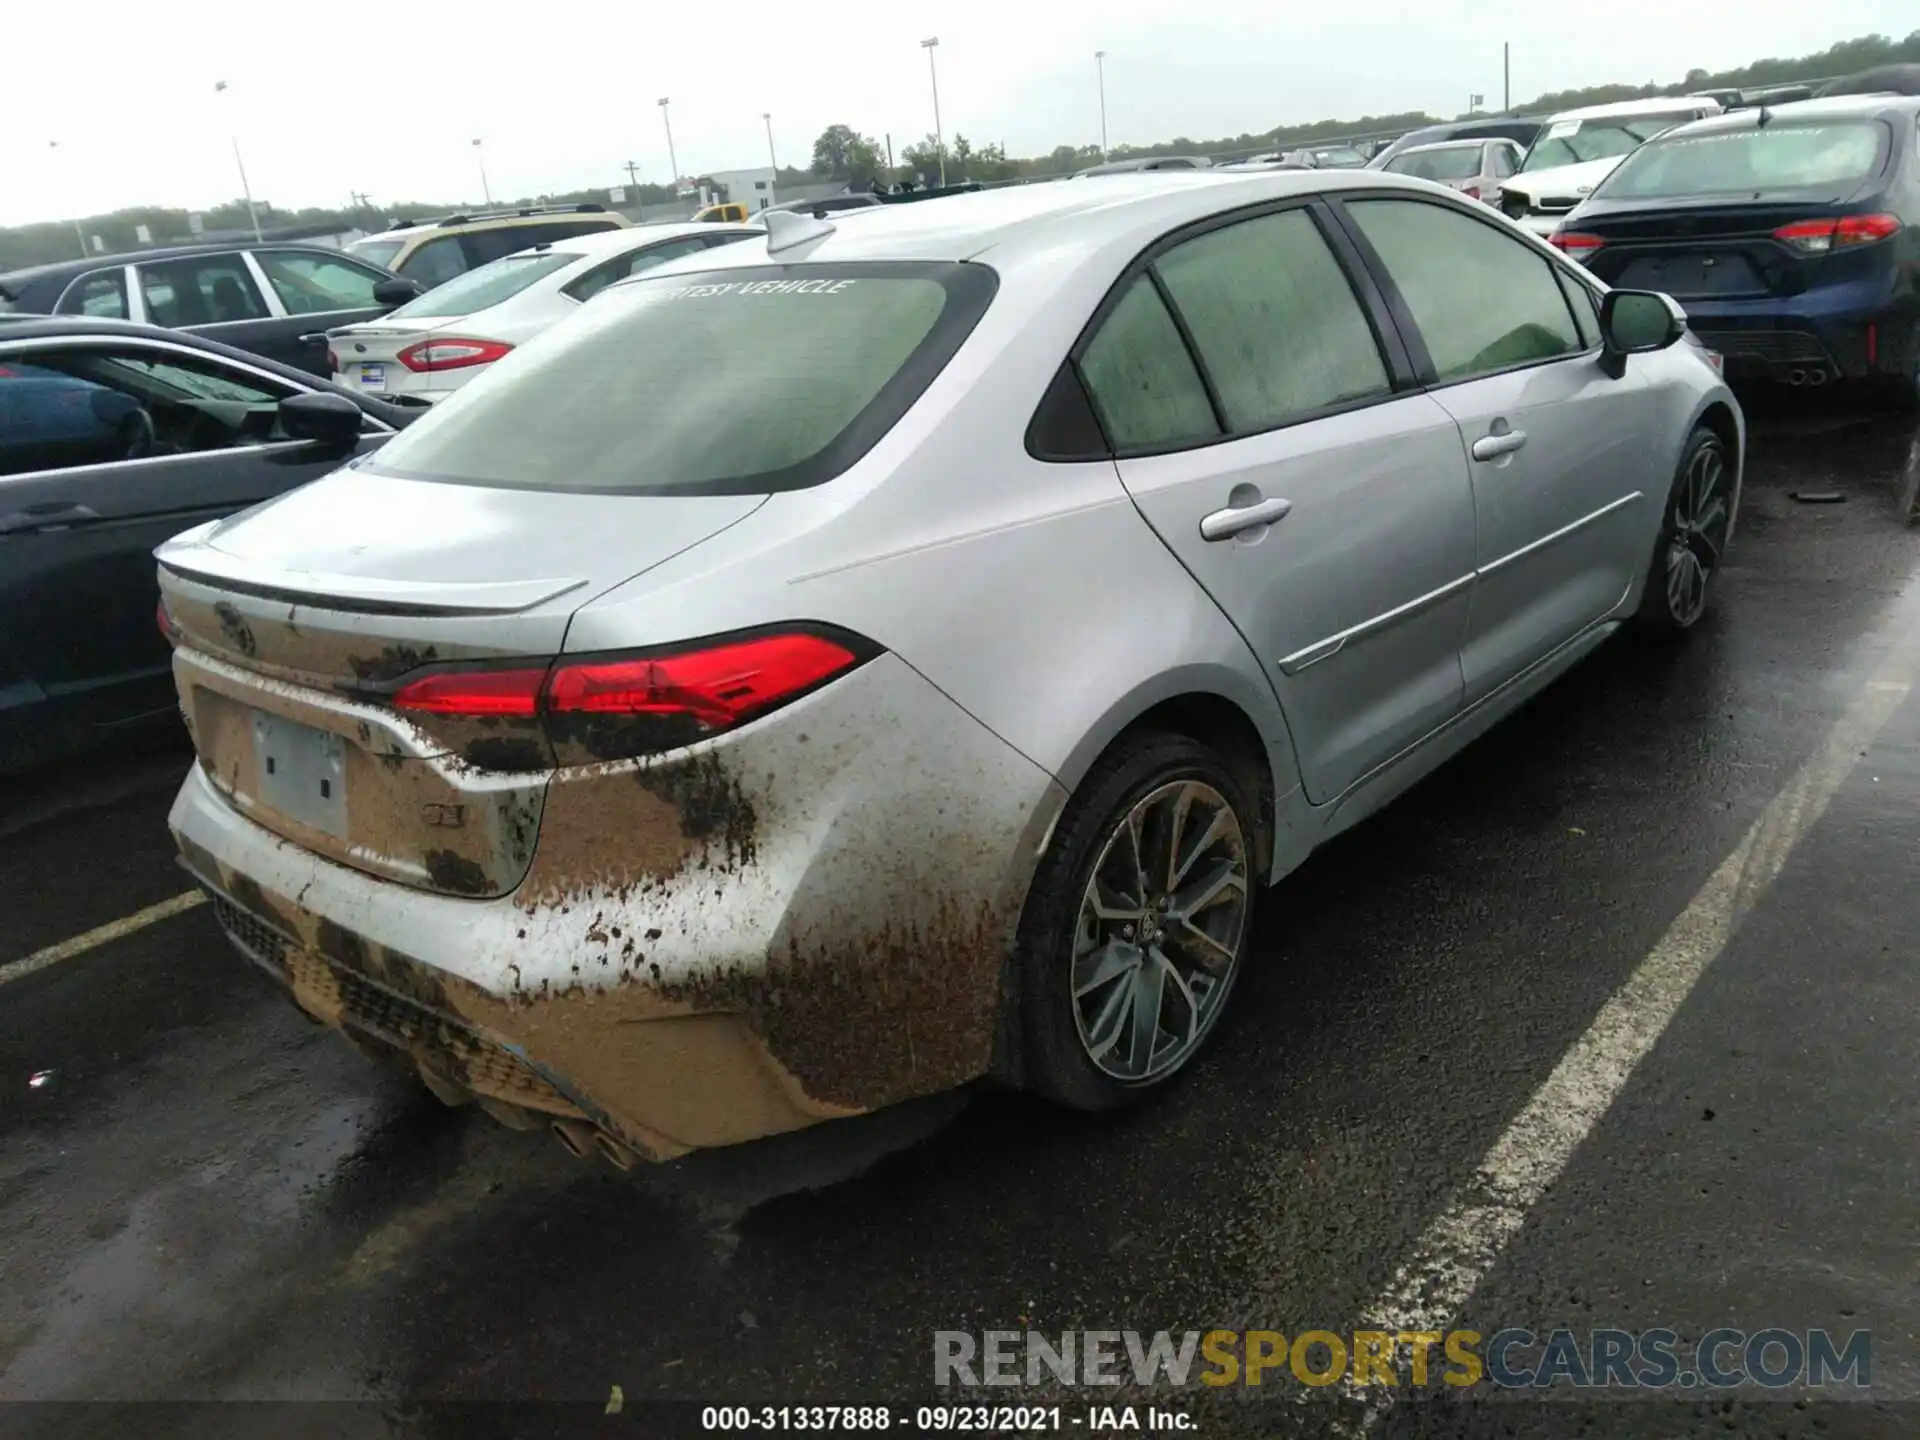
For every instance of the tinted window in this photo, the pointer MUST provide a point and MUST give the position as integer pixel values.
(91, 406)
(489, 285)
(1504, 158)
(1483, 299)
(1142, 379)
(310, 284)
(435, 262)
(1459, 162)
(203, 290)
(1832, 159)
(764, 379)
(104, 293)
(485, 245)
(377, 252)
(1274, 319)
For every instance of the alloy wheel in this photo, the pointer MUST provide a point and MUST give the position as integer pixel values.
(1699, 533)
(1160, 930)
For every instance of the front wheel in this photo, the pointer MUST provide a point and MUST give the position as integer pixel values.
(1693, 537)
(1136, 928)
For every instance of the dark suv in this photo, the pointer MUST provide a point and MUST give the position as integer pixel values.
(275, 300)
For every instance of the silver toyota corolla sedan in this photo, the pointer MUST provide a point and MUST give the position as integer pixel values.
(895, 652)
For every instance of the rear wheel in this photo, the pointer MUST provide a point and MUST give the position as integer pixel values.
(1693, 535)
(1136, 927)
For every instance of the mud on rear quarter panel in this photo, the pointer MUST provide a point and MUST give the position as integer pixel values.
(808, 917)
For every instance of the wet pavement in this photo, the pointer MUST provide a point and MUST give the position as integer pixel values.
(205, 1197)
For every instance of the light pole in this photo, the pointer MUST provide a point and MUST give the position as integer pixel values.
(930, 44)
(672, 160)
(245, 189)
(480, 154)
(1100, 64)
(773, 178)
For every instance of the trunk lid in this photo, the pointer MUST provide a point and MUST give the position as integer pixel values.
(1715, 250)
(293, 622)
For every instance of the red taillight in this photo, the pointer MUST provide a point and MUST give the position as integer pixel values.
(473, 692)
(1572, 242)
(1472, 192)
(1817, 237)
(655, 701)
(717, 688)
(451, 354)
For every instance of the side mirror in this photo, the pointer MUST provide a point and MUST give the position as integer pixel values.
(1637, 322)
(330, 421)
(396, 291)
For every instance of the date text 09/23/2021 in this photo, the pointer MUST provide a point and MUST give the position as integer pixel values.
(945, 1419)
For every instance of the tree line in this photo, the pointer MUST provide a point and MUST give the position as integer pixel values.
(845, 155)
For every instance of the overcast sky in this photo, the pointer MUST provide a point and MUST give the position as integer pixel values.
(388, 98)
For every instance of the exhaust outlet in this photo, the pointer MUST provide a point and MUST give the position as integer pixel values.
(1796, 377)
(617, 1155)
(576, 1138)
(1816, 377)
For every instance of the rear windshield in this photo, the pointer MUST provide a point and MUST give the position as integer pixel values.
(735, 382)
(1832, 157)
(1573, 142)
(1459, 164)
(379, 252)
(480, 289)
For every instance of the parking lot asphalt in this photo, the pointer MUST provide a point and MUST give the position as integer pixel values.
(205, 1197)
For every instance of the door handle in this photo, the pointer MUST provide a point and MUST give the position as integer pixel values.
(1225, 524)
(1492, 447)
(318, 337)
(46, 517)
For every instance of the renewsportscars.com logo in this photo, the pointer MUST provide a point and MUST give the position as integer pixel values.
(1510, 1359)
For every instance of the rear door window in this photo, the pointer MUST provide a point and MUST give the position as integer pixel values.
(739, 382)
(201, 290)
(1482, 299)
(1275, 321)
(485, 245)
(435, 262)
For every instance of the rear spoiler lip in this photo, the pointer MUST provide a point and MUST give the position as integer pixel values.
(354, 594)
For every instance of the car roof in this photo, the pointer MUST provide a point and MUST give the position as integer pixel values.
(64, 269)
(1461, 142)
(1842, 107)
(1653, 105)
(1017, 219)
(598, 243)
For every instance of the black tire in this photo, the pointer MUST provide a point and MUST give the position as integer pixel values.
(1057, 1062)
(1667, 613)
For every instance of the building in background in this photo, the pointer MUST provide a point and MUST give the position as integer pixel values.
(753, 188)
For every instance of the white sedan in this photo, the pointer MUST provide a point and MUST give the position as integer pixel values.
(433, 345)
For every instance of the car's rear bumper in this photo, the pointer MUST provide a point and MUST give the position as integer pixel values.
(1848, 333)
(808, 918)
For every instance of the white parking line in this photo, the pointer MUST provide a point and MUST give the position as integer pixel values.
(80, 944)
(1461, 1245)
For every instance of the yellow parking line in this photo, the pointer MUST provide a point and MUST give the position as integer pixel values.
(80, 944)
